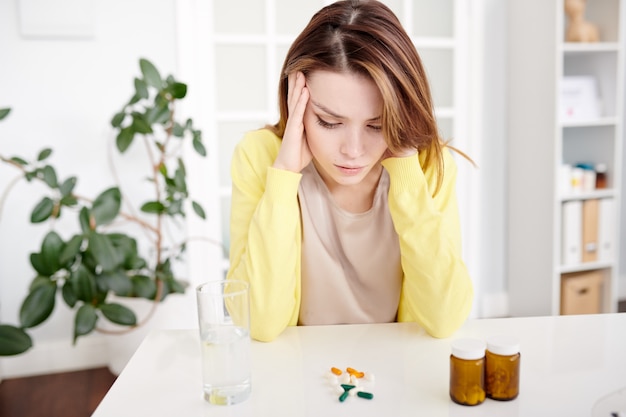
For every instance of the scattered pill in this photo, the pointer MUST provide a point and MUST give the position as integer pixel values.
(336, 371)
(344, 379)
(332, 378)
(347, 387)
(366, 395)
(351, 370)
(343, 396)
(369, 376)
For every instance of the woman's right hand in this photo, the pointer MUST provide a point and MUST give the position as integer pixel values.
(294, 153)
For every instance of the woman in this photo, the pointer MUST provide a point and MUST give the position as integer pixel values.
(345, 210)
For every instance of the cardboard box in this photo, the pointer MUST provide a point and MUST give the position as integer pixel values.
(581, 292)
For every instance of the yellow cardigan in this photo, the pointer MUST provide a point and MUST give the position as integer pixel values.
(266, 236)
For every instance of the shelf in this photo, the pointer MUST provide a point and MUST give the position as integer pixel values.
(574, 48)
(603, 121)
(589, 266)
(551, 229)
(607, 193)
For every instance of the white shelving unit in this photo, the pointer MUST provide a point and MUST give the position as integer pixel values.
(540, 142)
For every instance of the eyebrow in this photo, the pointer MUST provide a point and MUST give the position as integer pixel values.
(338, 116)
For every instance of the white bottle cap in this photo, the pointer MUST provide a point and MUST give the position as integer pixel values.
(468, 349)
(504, 345)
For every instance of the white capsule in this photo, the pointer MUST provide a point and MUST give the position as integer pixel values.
(338, 389)
(354, 380)
(369, 376)
(355, 390)
(345, 379)
(332, 378)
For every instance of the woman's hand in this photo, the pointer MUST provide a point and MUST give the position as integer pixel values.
(294, 153)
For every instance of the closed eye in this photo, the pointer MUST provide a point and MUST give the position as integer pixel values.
(375, 127)
(325, 124)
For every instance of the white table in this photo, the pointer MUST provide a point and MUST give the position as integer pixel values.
(569, 363)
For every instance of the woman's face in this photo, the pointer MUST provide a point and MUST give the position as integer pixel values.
(342, 122)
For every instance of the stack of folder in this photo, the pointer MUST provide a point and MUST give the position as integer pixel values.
(588, 231)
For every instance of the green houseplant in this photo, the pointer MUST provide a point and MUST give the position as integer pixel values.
(98, 262)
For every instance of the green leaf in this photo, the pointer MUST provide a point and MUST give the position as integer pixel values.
(140, 124)
(69, 296)
(117, 282)
(103, 251)
(107, 206)
(39, 280)
(85, 321)
(49, 176)
(13, 340)
(118, 119)
(177, 286)
(19, 161)
(42, 211)
(127, 246)
(199, 210)
(178, 130)
(4, 112)
(199, 147)
(68, 186)
(144, 287)
(51, 249)
(178, 90)
(38, 305)
(150, 73)
(70, 251)
(36, 260)
(158, 114)
(44, 154)
(141, 88)
(125, 138)
(119, 314)
(85, 220)
(153, 207)
(68, 201)
(83, 284)
(175, 207)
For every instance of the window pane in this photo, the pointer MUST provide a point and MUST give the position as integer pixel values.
(439, 65)
(433, 18)
(228, 17)
(239, 87)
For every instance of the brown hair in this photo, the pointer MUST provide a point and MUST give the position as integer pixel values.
(366, 37)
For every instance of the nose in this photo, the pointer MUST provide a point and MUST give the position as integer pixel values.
(353, 144)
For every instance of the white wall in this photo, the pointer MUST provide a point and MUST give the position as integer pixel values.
(63, 93)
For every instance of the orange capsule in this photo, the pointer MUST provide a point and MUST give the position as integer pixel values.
(336, 371)
(351, 371)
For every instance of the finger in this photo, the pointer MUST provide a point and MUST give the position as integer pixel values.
(296, 84)
(300, 105)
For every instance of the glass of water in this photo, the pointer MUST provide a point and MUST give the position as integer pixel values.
(224, 322)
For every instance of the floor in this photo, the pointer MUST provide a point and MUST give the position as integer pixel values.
(69, 394)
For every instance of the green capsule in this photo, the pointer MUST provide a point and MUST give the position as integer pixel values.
(366, 395)
(347, 387)
(343, 396)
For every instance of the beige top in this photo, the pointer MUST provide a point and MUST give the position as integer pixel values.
(351, 270)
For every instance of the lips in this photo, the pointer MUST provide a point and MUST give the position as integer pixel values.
(347, 170)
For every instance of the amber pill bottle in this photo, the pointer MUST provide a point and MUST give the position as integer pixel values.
(502, 367)
(467, 371)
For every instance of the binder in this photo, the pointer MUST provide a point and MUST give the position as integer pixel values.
(590, 230)
(571, 232)
(606, 230)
